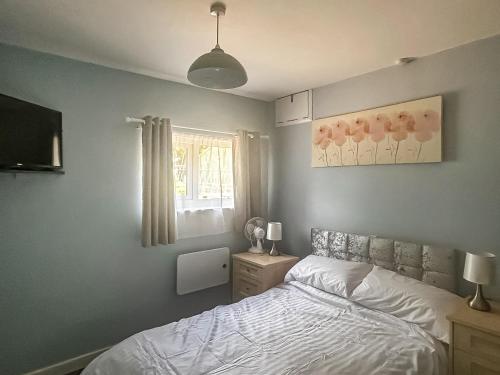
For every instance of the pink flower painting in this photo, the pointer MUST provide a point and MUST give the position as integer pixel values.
(339, 131)
(402, 123)
(323, 138)
(376, 129)
(339, 136)
(428, 122)
(321, 134)
(402, 133)
(357, 133)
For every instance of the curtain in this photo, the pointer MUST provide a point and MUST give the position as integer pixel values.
(204, 184)
(204, 222)
(158, 196)
(247, 178)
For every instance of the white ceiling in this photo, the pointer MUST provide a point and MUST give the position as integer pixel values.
(285, 45)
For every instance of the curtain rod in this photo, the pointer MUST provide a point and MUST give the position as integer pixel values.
(141, 121)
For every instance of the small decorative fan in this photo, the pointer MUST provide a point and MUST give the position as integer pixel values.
(255, 232)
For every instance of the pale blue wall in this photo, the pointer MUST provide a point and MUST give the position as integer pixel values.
(455, 203)
(73, 276)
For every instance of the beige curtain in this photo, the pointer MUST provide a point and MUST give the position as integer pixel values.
(247, 178)
(158, 196)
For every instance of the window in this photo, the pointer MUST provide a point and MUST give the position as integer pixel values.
(203, 171)
(182, 164)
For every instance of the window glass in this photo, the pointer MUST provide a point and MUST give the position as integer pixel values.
(180, 160)
(203, 171)
(215, 172)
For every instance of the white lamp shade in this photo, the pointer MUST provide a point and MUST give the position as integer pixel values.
(217, 70)
(274, 231)
(479, 268)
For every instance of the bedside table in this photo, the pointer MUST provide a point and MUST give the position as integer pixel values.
(256, 273)
(475, 341)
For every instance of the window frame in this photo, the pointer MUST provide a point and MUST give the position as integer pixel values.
(191, 200)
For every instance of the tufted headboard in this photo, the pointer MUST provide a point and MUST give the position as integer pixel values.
(430, 264)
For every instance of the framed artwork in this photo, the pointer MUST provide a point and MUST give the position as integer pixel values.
(402, 133)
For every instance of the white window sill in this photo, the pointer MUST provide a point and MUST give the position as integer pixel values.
(202, 210)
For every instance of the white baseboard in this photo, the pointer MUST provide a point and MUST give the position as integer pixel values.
(70, 365)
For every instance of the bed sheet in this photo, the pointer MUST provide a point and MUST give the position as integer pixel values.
(290, 329)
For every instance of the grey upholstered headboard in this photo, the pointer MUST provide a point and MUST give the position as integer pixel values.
(430, 264)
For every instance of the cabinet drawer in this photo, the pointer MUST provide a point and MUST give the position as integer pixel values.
(248, 287)
(248, 270)
(467, 364)
(477, 343)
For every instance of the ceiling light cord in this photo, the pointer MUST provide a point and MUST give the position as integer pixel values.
(217, 45)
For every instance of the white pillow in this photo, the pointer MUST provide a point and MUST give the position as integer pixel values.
(408, 299)
(335, 276)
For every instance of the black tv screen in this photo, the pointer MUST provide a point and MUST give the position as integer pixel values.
(30, 136)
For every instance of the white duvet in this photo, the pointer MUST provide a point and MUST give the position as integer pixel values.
(290, 329)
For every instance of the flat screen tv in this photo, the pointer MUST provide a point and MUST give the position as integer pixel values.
(30, 136)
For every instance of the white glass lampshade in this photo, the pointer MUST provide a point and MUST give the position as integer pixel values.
(217, 70)
(273, 231)
(479, 268)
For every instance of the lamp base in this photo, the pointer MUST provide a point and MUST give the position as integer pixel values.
(256, 250)
(478, 302)
(274, 251)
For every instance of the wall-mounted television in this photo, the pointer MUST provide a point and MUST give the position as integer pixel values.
(30, 136)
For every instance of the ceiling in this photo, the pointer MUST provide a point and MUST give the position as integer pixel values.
(285, 45)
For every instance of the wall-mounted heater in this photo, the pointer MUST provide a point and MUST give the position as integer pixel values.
(202, 269)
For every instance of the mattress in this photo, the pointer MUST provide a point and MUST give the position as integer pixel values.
(291, 329)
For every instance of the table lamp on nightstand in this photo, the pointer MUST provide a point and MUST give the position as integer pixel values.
(479, 269)
(274, 234)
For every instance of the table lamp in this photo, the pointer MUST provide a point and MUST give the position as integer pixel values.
(480, 269)
(274, 234)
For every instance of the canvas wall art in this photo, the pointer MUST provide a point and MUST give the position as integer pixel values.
(402, 133)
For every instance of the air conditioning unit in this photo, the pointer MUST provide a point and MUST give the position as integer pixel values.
(294, 109)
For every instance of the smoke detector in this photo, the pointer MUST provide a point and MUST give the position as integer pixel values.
(405, 60)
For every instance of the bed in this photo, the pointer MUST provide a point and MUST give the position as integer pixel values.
(304, 326)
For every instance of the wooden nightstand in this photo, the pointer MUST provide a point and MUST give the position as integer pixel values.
(256, 273)
(475, 341)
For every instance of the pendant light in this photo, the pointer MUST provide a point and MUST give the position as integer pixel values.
(217, 69)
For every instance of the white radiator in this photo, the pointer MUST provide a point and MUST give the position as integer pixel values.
(202, 269)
